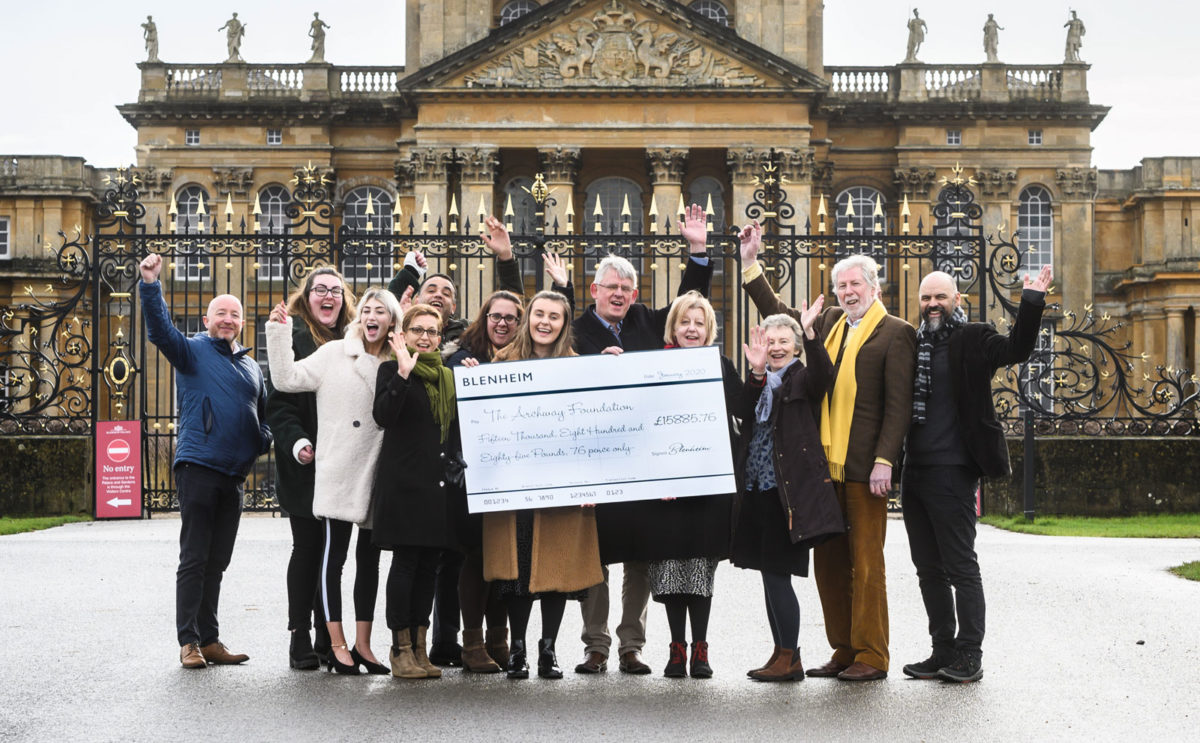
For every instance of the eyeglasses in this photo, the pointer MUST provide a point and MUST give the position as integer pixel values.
(497, 318)
(623, 288)
(431, 332)
(321, 290)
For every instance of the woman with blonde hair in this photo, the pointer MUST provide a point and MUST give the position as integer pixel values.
(546, 554)
(325, 304)
(342, 374)
(693, 533)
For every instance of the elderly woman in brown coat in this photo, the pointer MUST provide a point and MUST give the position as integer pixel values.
(786, 503)
(550, 554)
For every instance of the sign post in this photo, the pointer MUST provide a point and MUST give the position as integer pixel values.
(118, 470)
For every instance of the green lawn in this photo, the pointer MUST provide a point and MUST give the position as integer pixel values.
(1189, 570)
(1161, 525)
(9, 525)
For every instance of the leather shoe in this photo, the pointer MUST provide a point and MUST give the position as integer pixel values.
(631, 662)
(219, 655)
(859, 671)
(594, 662)
(190, 657)
(829, 670)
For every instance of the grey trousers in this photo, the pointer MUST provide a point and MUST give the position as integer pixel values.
(635, 597)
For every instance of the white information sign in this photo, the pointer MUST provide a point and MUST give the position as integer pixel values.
(594, 429)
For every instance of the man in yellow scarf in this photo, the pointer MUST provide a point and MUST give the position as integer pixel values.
(863, 423)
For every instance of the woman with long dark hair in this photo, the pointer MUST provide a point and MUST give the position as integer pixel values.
(546, 554)
(325, 306)
(342, 374)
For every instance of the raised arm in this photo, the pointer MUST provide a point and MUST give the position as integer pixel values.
(287, 373)
(753, 282)
(508, 271)
(159, 328)
(1016, 347)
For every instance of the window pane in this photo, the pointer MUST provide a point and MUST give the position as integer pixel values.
(194, 218)
(712, 10)
(861, 212)
(706, 191)
(515, 9)
(367, 214)
(1035, 222)
(272, 261)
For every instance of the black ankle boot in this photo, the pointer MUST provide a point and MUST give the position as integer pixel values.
(300, 654)
(547, 662)
(518, 665)
(321, 643)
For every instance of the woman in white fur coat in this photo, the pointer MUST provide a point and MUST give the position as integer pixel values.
(342, 374)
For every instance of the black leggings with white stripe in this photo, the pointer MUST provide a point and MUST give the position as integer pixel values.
(366, 571)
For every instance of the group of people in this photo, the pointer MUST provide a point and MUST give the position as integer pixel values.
(361, 409)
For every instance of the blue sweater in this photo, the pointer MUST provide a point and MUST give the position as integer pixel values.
(222, 397)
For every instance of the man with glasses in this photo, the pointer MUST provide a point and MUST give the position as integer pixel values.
(615, 324)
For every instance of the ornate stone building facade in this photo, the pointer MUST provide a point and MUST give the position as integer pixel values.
(646, 102)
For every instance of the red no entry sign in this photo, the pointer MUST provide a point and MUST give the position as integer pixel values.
(118, 470)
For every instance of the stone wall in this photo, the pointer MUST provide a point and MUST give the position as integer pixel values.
(45, 475)
(1102, 476)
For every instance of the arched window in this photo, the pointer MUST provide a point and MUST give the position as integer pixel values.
(368, 209)
(515, 9)
(1035, 221)
(712, 10)
(194, 217)
(611, 194)
(861, 214)
(862, 207)
(367, 215)
(707, 192)
(273, 220)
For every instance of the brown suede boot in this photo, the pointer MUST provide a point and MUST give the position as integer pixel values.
(475, 658)
(404, 664)
(774, 656)
(786, 667)
(422, 657)
(497, 645)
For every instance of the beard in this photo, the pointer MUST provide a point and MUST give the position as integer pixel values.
(934, 322)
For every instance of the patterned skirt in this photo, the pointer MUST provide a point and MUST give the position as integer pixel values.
(693, 576)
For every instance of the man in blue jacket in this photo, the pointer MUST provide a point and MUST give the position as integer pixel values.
(221, 431)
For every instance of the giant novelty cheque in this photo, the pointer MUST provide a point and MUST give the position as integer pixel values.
(594, 429)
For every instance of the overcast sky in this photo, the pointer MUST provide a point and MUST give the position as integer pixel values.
(67, 64)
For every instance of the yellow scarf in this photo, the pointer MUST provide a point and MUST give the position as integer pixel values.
(837, 415)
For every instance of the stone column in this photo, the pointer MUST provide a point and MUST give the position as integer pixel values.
(667, 166)
(478, 186)
(560, 168)
(430, 183)
(1176, 346)
(1073, 260)
(915, 184)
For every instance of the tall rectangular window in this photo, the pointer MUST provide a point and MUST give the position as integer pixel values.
(1035, 136)
(274, 136)
(191, 137)
(954, 137)
(5, 240)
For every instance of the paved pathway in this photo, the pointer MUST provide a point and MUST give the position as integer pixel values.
(1087, 639)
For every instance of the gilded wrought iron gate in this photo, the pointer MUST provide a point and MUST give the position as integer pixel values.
(74, 353)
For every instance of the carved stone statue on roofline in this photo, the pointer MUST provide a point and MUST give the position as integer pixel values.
(234, 31)
(916, 35)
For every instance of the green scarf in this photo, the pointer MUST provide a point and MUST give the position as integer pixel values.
(439, 385)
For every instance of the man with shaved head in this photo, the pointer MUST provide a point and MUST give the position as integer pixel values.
(221, 431)
(954, 440)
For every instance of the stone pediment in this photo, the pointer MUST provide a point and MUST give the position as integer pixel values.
(613, 44)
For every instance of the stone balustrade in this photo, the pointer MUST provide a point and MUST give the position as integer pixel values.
(991, 83)
(243, 82)
(47, 174)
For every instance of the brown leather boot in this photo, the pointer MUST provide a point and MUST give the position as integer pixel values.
(404, 664)
(765, 666)
(497, 645)
(475, 658)
(786, 667)
(422, 657)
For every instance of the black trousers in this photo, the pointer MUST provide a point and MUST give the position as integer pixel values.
(939, 515)
(304, 572)
(410, 586)
(210, 509)
(446, 621)
(366, 571)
